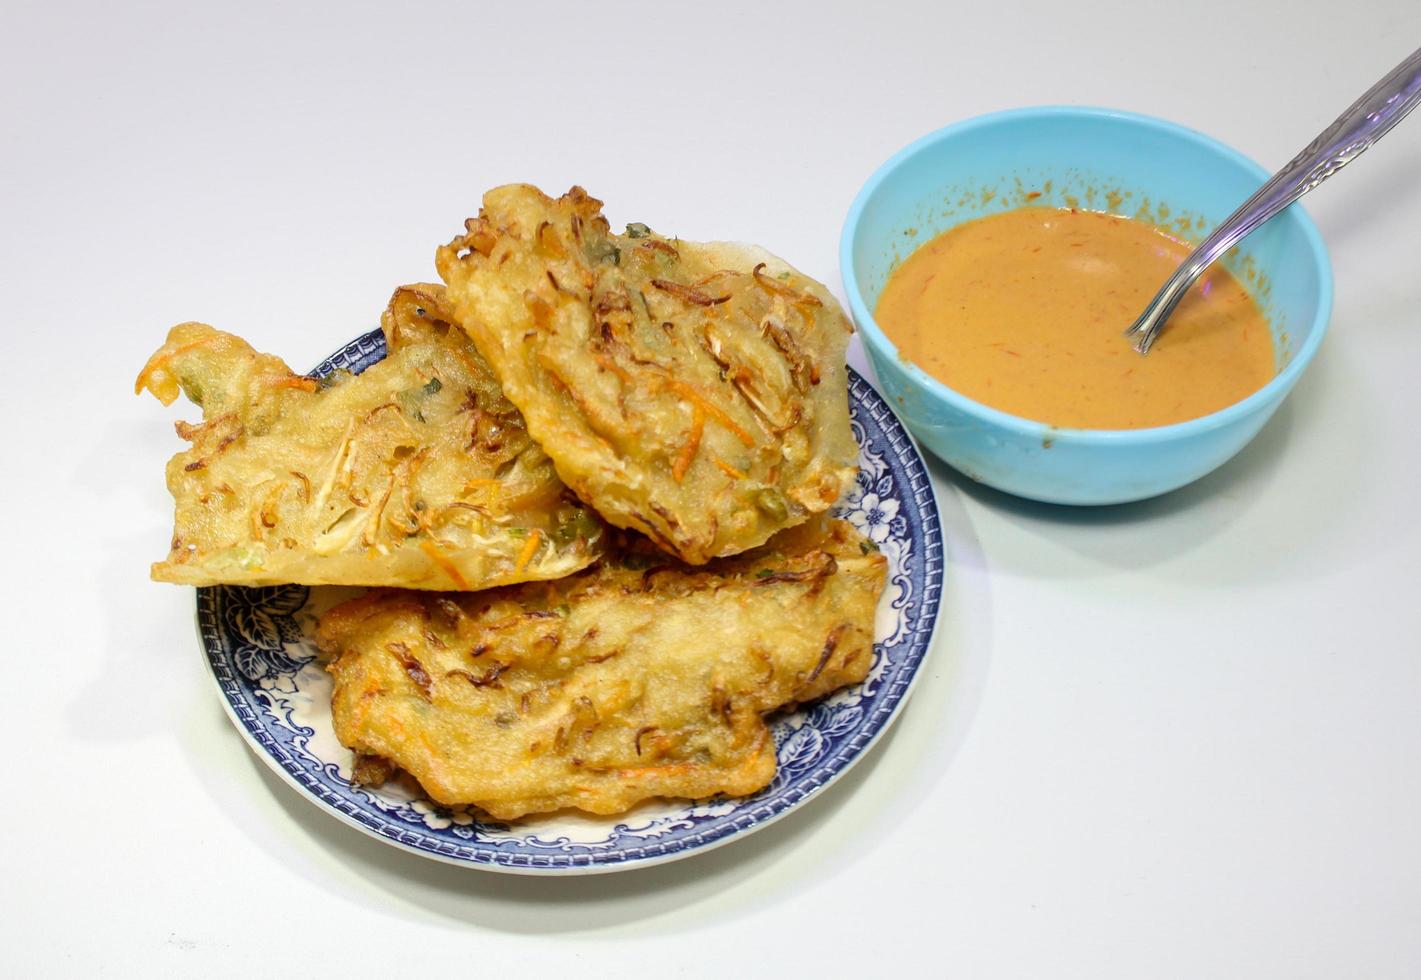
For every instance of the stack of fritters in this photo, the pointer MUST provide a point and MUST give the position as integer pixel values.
(695, 394)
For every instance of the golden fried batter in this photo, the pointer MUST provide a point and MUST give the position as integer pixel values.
(416, 473)
(694, 392)
(638, 678)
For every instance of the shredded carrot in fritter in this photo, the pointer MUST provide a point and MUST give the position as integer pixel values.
(526, 555)
(295, 381)
(693, 443)
(727, 469)
(793, 295)
(160, 358)
(712, 409)
(607, 364)
(439, 558)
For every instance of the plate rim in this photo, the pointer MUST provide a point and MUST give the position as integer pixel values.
(610, 861)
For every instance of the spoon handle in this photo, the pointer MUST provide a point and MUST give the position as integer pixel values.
(1369, 119)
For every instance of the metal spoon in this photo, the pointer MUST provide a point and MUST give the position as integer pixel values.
(1369, 119)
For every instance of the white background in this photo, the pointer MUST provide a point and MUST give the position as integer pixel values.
(1173, 739)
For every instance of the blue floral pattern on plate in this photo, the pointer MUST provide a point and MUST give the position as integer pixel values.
(260, 649)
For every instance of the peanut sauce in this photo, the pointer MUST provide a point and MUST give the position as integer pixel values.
(1025, 311)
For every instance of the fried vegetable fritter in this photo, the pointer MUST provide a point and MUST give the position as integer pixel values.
(416, 473)
(694, 392)
(641, 677)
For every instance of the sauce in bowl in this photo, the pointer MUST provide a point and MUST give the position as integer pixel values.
(1025, 311)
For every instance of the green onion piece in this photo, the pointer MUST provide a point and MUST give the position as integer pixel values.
(772, 502)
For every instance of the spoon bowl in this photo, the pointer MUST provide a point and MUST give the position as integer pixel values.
(1105, 160)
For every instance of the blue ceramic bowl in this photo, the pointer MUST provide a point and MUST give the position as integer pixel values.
(1102, 160)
